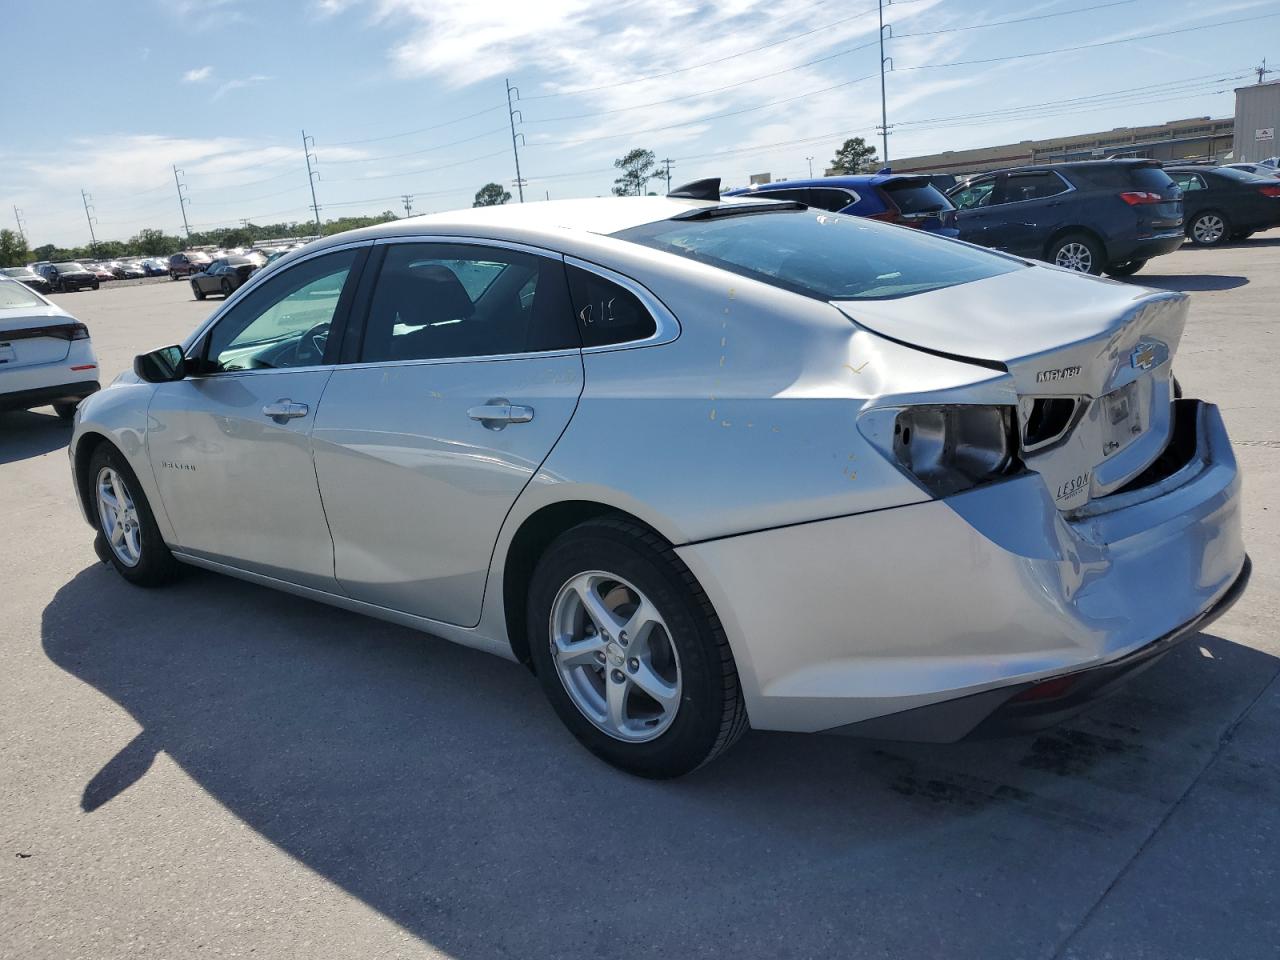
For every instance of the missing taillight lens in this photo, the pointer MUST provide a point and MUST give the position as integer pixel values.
(1047, 420)
(953, 448)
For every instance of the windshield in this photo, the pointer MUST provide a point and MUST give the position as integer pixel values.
(916, 196)
(823, 255)
(13, 294)
(68, 268)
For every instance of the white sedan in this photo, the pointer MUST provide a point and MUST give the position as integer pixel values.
(46, 357)
(700, 463)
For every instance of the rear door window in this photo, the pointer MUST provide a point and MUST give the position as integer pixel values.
(916, 196)
(795, 193)
(1035, 185)
(1189, 182)
(829, 198)
(436, 301)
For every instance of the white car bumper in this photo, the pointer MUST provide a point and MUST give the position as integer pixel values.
(872, 617)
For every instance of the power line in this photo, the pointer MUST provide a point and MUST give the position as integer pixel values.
(410, 133)
(414, 153)
(1090, 46)
(1073, 12)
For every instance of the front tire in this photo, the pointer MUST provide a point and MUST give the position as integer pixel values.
(1209, 229)
(630, 652)
(1126, 269)
(200, 294)
(1076, 251)
(124, 520)
(225, 287)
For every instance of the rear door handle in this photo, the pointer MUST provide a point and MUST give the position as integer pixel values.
(283, 410)
(496, 414)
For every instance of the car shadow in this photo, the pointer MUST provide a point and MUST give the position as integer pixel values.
(434, 783)
(1188, 282)
(26, 433)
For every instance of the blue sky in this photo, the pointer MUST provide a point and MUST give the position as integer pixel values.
(223, 88)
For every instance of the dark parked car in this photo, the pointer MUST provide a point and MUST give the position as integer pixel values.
(893, 197)
(187, 263)
(125, 269)
(1259, 169)
(1092, 216)
(1224, 204)
(223, 276)
(28, 276)
(155, 266)
(66, 277)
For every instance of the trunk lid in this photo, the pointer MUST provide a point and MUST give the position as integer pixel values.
(1090, 361)
(34, 335)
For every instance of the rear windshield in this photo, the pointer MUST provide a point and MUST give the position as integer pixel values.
(915, 196)
(1152, 179)
(68, 268)
(823, 255)
(14, 294)
(1244, 176)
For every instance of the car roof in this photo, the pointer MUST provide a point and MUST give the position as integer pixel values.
(843, 180)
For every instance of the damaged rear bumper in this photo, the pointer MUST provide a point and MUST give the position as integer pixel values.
(935, 621)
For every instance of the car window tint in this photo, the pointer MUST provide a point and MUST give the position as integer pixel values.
(974, 195)
(1152, 179)
(14, 294)
(608, 313)
(285, 321)
(1189, 181)
(828, 198)
(434, 301)
(823, 255)
(916, 196)
(794, 193)
(1030, 186)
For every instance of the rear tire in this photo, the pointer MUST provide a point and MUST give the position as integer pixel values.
(680, 651)
(1076, 251)
(133, 542)
(66, 409)
(1209, 229)
(1126, 269)
(225, 287)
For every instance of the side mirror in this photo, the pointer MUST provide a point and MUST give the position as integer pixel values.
(161, 366)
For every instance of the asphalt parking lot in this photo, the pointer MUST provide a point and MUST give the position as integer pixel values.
(217, 768)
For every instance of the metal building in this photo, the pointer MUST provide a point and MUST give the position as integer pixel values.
(1257, 117)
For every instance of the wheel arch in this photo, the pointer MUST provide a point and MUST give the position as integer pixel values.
(1092, 234)
(87, 443)
(530, 540)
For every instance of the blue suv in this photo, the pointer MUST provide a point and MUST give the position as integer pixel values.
(897, 198)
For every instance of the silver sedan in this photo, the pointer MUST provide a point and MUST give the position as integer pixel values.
(699, 463)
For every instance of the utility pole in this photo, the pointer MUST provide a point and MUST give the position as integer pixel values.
(183, 200)
(1263, 70)
(22, 230)
(308, 143)
(667, 172)
(511, 115)
(810, 159)
(93, 240)
(884, 110)
(408, 203)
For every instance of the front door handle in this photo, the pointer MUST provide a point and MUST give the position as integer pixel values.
(283, 410)
(496, 414)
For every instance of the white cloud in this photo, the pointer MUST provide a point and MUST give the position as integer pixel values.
(231, 85)
(197, 75)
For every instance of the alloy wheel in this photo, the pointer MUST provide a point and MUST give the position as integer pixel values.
(614, 655)
(119, 517)
(1075, 256)
(1208, 228)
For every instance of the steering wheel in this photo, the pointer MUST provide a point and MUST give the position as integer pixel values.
(310, 349)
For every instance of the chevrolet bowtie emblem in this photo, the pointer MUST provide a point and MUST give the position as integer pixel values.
(1143, 358)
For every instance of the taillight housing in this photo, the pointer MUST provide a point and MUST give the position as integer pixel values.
(949, 448)
(1270, 191)
(79, 332)
(1138, 198)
